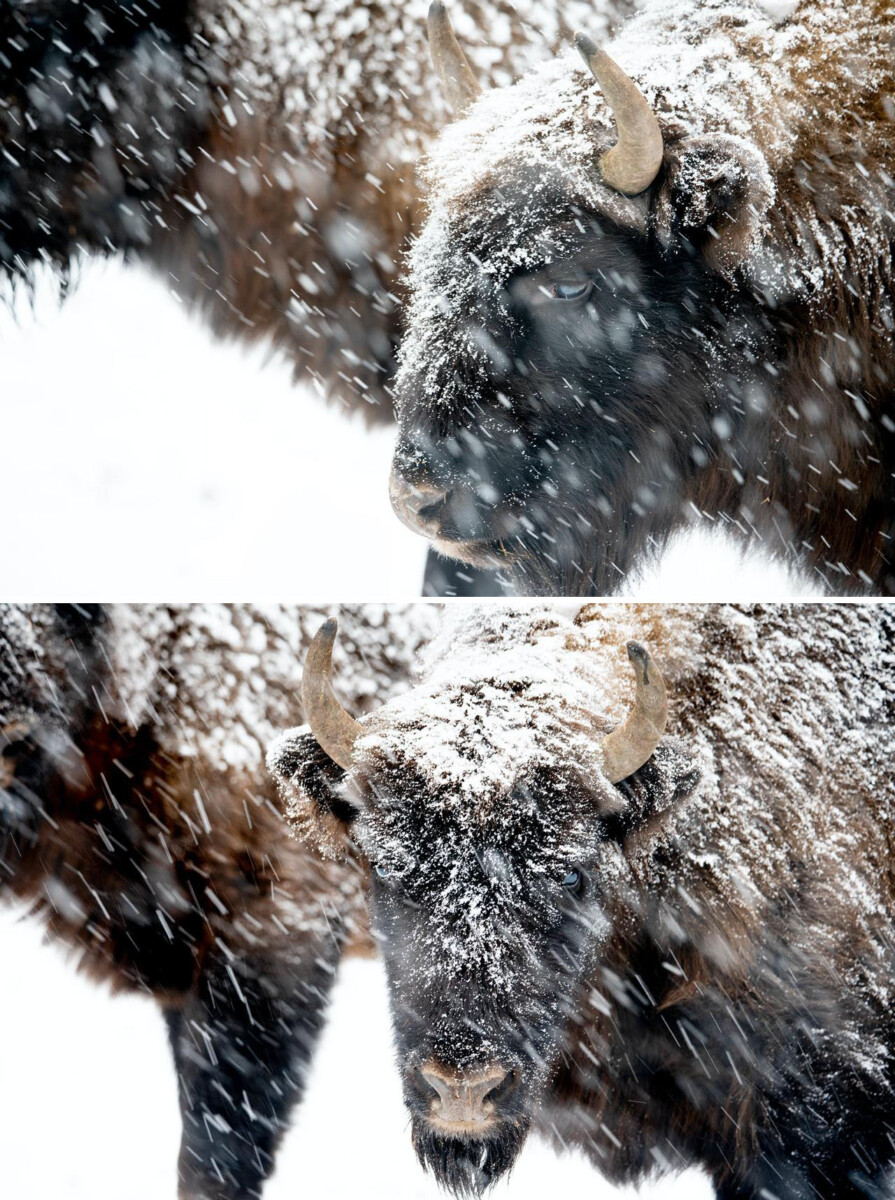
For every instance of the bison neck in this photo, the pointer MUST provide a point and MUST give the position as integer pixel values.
(810, 478)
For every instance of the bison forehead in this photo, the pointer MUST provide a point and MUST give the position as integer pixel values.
(507, 696)
(476, 906)
(471, 746)
(501, 203)
(554, 119)
(704, 66)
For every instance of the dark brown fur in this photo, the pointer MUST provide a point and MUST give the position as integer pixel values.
(168, 872)
(763, 265)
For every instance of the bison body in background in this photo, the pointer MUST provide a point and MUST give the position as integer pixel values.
(657, 295)
(260, 155)
(665, 950)
(138, 821)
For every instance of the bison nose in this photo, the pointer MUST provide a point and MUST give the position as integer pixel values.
(465, 1098)
(417, 504)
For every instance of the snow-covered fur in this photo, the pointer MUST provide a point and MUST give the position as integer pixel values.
(692, 967)
(137, 819)
(259, 152)
(729, 353)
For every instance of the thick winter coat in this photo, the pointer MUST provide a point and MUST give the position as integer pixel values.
(259, 153)
(691, 965)
(138, 821)
(693, 326)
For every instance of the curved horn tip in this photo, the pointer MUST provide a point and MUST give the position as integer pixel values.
(586, 46)
(639, 656)
(328, 630)
(457, 79)
(633, 742)
(633, 163)
(334, 728)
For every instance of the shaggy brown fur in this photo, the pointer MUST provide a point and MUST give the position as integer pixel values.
(138, 823)
(693, 967)
(750, 383)
(260, 153)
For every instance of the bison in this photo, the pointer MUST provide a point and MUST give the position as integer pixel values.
(138, 822)
(655, 287)
(259, 155)
(659, 930)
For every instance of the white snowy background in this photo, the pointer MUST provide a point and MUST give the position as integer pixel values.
(144, 460)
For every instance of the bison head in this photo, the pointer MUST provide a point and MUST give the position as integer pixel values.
(575, 352)
(493, 803)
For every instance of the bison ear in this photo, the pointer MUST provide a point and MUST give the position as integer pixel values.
(714, 195)
(310, 784)
(665, 780)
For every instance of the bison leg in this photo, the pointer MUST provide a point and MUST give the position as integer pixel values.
(242, 1046)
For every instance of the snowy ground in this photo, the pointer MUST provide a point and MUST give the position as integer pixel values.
(88, 1107)
(144, 460)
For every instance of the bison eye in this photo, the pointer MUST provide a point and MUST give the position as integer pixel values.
(571, 291)
(572, 880)
(381, 871)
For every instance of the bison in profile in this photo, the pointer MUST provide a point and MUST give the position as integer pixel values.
(260, 156)
(660, 931)
(655, 287)
(138, 821)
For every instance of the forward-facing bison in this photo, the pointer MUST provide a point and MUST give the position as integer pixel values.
(260, 155)
(665, 950)
(654, 286)
(137, 819)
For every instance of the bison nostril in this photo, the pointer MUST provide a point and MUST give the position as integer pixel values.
(423, 498)
(426, 501)
(465, 1098)
(427, 1088)
(417, 504)
(502, 1088)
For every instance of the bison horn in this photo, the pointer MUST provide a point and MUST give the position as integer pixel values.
(628, 747)
(633, 162)
(459, 83)
(331, 725)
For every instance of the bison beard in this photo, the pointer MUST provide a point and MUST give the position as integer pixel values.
(468, 1167)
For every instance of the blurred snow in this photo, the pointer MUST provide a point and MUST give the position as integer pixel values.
(88, 1099)
(778, 10)
(147, 461)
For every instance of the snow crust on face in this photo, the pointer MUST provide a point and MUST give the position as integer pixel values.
(217, 681)
(323, 64)
(706, 66)
(503, 693)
